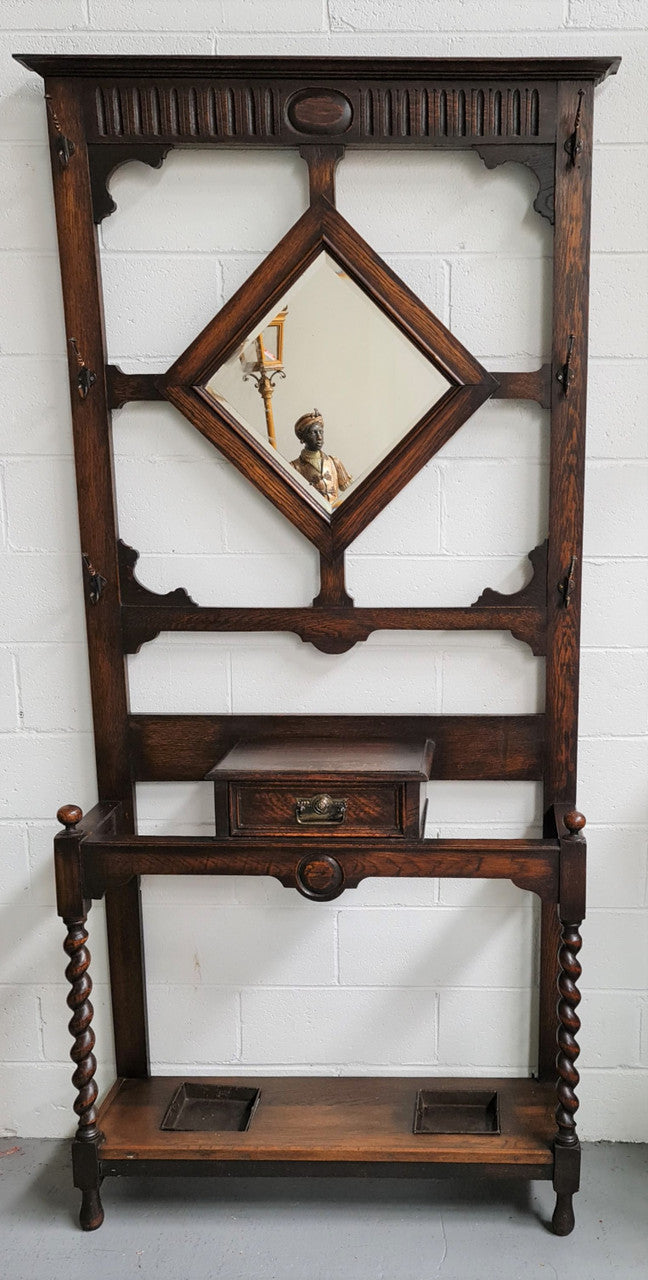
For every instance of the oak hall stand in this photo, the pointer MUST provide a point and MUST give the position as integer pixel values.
(102, 112)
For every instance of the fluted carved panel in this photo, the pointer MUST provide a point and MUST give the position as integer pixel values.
(185, 111)
(283, 111)
(512, 111)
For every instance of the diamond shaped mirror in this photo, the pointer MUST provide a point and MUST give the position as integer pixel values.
(326, 381)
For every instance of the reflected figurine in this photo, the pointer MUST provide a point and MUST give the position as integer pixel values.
(326, 474)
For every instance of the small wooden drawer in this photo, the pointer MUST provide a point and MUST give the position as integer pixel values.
(321, 789)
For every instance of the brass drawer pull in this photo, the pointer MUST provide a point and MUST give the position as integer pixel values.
(321, 809)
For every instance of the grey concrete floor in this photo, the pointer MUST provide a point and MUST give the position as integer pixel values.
(321, 1229)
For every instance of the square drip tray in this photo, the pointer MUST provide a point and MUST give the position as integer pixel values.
(456, 1111)
(210, 1108)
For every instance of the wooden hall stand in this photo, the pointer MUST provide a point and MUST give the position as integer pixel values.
(102, 112)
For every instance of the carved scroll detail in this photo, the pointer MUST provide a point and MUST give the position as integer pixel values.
(568, 1028)
(133, 592)
(540, 159)
(533, 593)
(531, 597)
(103, 162)
(80, 1028)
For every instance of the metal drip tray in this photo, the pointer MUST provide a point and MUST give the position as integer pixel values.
(210, 1108)
(456, 1111)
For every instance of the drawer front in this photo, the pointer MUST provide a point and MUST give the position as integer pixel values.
(306, 811)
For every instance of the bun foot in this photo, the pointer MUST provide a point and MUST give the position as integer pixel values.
(92, 1214)
(563, 1218)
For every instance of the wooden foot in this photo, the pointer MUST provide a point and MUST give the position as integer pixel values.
(92, 1214)
(563, 1218)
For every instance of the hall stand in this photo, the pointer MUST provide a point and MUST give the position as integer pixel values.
(352, 808)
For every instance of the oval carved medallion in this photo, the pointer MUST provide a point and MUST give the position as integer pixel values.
(320, 111)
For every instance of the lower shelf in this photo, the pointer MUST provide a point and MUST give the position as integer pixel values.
(321, 1121)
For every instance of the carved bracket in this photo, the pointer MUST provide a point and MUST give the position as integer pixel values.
(104, 160)
(534, 592)
(540, 159)
(532, 596)
(133, 592)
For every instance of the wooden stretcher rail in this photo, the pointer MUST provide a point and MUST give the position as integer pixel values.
(183, 748)
(530, 864)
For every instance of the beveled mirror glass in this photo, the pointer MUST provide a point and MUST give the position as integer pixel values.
(327, 382)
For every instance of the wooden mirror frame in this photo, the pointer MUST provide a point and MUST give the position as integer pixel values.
(322, 229)
(105, 111)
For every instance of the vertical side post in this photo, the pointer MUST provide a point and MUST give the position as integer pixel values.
(567, 458)
(82, 303)
(549, 944)
(573, 167)
(73, 906)
(567, 1152)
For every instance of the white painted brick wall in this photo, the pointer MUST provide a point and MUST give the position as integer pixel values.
(397, 975)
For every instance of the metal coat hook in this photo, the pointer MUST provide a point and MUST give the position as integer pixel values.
(85, 377)
(63, 146)
(96, 582)
(574, 143)
(566, 587)
(565, 373)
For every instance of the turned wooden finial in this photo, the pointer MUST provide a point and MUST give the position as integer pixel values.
(574, 821)
(70, 814)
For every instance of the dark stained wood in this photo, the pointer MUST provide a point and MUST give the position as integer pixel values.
(322, 228)
(332, 592)
(132, 592)
(371, 809)
(534, 385)
(322, 162)
(567, 449)
(397, 760)
(104, 111)
(530, 864)
(532, 596)
(104, 161)
(82, 302)
(322, 1119)
(331, 628)
(124, 387)
(548, 978)
(69, 815)
(339, 787)
(540, 159)
(319, 111)
(149, 67)
(477, 748)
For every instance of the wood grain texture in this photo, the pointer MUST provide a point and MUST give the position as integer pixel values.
(567, 448)
(322, 229)
(107, 110)
(342, 1119)
(530, 864)
(82, 302)
(331, 628)
(149, 67)
(184, 748)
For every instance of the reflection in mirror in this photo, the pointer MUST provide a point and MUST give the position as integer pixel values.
(326, 344)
